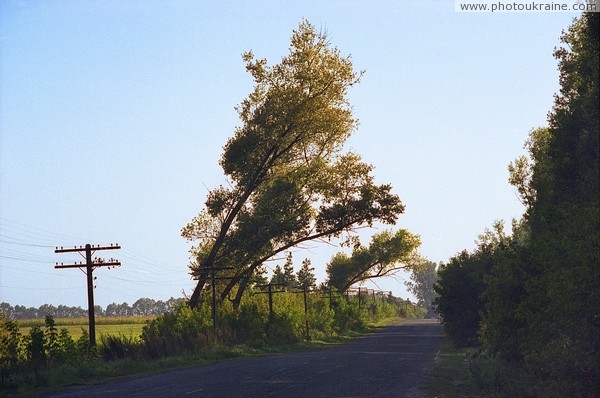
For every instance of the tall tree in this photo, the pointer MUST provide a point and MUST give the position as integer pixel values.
(387, 253)
(289, 182)
(460, 287)
(561, 309)
(278, 278)
(422, 279)
(306, 276)
(289, 277)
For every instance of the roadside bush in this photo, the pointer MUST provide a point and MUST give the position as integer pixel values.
(34, 348)
(347, 316)
(283, 329)
(114, 347)
(288, 323)
(185, 330)
(494, 375)
(320, 318)
(249, 324)
(11, 350)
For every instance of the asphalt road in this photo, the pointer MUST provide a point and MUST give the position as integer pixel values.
(389, 363)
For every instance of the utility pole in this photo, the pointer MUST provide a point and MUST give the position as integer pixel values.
(270, 292)
(213, 278)
(90, 265)
(306, 312)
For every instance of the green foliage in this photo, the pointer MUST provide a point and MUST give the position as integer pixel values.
(422, 280)
(321, 317)
(284, 275)
(43, 347)
(278, 278)
(115, 347)
(11, 349)
(306, 276)
(460, 286)
(290, 181)
(190, 329)
(387, 253)
(184, 330)
(347, 316)
(560, 310)
(251, 321)
(289, 278)
(35, 350)
(288, 323)
(501, 328)
(540, 302)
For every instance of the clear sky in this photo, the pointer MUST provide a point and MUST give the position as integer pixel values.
(113, 115)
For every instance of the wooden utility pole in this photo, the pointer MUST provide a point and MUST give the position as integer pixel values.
(213, 278)
(90, 265)
(270, 292)
(306, 312)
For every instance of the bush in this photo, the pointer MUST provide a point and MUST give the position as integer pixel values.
(495, 375)
(114, 347)
(347, 316)
(249, 324)
(321, 318)
(185, 330)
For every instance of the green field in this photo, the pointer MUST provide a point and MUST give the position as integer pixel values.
(128, 326)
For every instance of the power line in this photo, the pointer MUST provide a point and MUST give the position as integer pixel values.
(24, 259)
(20, 243)
(39, 288)
(90, 265)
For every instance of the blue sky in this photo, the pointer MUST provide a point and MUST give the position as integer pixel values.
(113, 116)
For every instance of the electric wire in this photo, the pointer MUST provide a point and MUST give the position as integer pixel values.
(22, 243)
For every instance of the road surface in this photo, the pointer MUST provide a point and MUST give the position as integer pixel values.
(391, 362)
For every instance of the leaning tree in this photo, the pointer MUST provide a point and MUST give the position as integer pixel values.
(289, 181)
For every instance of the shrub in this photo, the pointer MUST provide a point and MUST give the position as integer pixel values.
(185, 330)
(347, 316)
(114, 347)
(320, 318)
(250, 322)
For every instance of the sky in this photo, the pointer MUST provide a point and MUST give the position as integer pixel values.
(113, 116)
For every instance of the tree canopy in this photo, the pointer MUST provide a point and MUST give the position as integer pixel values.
(532, 299)
(288, 180)
(306, 275)
(422, 279)
(387, 253)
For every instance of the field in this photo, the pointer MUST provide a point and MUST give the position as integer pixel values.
(128, 326)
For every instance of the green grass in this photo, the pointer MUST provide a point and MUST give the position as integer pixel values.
(466, 372)
(128, 326)
(451, 376)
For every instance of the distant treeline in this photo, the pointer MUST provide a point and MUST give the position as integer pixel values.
(142, 307)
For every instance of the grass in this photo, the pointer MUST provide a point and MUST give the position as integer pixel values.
(128, 326)
(465, 372)
(451, 375)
